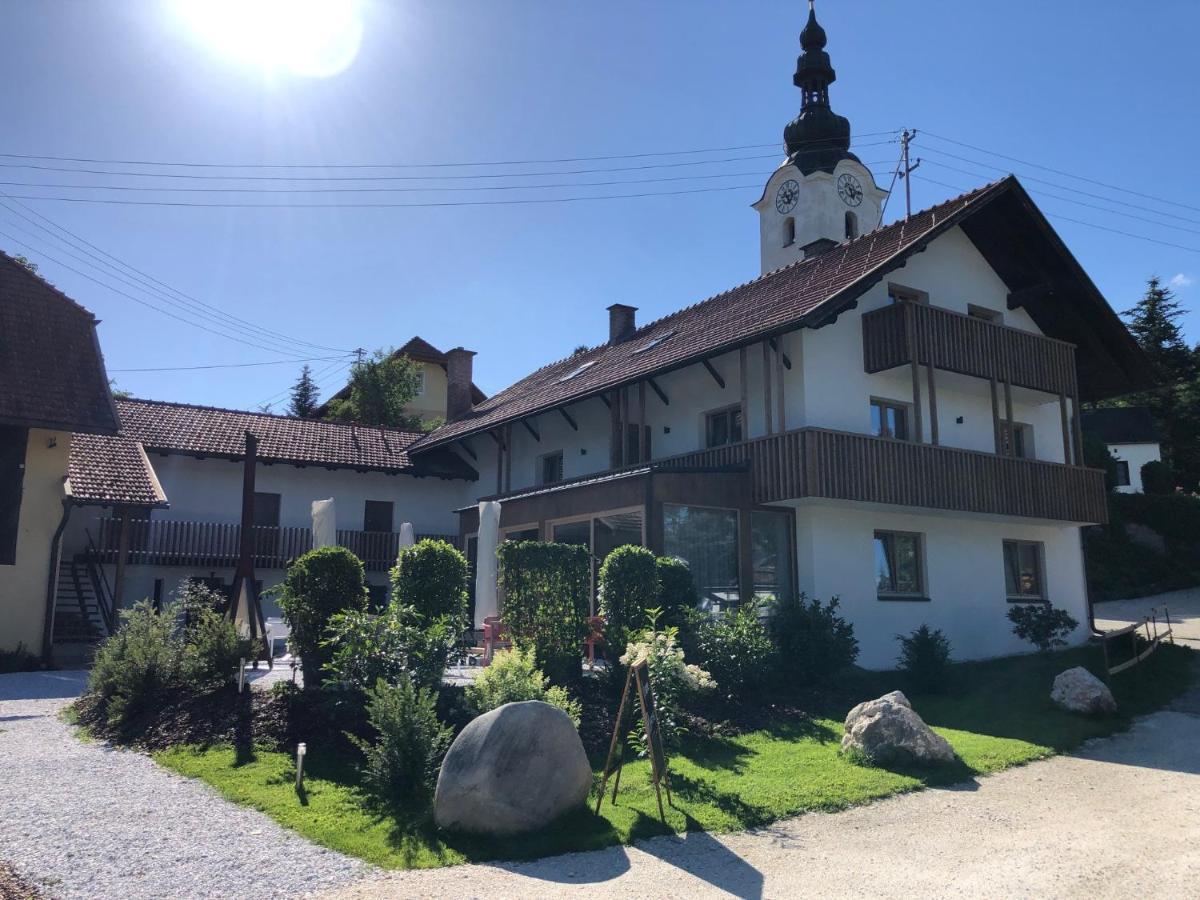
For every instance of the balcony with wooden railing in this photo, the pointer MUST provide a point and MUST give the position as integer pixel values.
(215, 545)
(817, 462)
(896, 335)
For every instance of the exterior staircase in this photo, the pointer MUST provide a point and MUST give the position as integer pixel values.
(83, 608)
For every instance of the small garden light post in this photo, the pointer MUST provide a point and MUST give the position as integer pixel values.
(301, 751)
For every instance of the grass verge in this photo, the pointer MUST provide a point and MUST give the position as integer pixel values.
(997, 715)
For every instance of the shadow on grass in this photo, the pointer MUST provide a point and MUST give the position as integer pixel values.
(701, 792)
(577, 831)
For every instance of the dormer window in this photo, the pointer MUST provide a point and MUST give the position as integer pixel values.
(851, 225)
(654, 342)
(577, 371)
(789, 231)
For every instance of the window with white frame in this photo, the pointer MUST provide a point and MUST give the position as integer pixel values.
(420, 392)
(1024, 570)
(899, 564)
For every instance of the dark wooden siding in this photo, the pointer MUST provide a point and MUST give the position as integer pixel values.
(959, 343)
(816, 462)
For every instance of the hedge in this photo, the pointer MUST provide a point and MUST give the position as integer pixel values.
(629, 586)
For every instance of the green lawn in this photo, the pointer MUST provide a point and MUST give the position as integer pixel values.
(998, 715)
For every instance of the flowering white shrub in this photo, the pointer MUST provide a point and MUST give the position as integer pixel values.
(671, 677)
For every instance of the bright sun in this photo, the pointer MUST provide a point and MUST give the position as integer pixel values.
(316, 38)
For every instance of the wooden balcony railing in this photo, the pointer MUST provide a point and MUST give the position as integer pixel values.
(967, 345)
(215, 545)
(816, 462)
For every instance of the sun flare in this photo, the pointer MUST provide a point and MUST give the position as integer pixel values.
(314, 38)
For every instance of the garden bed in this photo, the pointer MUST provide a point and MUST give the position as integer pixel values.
(731, 776)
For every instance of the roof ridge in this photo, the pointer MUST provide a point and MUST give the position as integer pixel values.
(265, 415)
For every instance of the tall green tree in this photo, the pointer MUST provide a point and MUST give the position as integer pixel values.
(380, 388)
(304, 395)
(1174, 401)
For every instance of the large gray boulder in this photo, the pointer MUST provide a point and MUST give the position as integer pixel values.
(1078, 690)
(887, 731)
(512, 770)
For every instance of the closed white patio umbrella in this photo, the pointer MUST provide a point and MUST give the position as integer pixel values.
(486, 601)
(407, 538)
(324, 527)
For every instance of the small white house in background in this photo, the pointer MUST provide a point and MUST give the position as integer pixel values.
(192, 456)
(1131, 437)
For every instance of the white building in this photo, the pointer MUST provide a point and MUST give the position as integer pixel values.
(1132, 439)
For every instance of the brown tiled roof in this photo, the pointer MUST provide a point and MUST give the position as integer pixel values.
(51, 371)
(786, 298)
(112, 470)
(209, 431)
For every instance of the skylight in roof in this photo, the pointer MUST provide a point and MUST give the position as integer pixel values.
(583, 368)
(653, 342)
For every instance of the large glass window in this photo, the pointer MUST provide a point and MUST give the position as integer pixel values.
(707, 540)
(771, 536)
(899, 567)
(889, 419)
(724, 426)
(601, 535)
(1023, 570)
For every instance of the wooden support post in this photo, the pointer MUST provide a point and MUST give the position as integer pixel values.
(122, 558)
(616, 451)
(1066, 429)
(745, 557)
(996, 418)
(499, 463)
(508, 455)
(915, 368)
(625, 454)
(933, 412)
(782, 405)
(1078, 429)
(744, 375)
(641, 441)
(767, 388)
(1008, 417)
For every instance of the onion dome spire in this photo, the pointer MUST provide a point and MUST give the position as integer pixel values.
(818, 138)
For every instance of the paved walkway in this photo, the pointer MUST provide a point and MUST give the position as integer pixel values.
(1120, 819)
(82, 820)
(1184, 607)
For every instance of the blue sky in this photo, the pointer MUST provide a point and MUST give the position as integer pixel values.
(1103, 97)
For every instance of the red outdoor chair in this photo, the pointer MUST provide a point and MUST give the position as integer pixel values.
(495, 637)
(595, 636)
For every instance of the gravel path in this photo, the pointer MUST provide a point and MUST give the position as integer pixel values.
(82, 820)
(1120, 819)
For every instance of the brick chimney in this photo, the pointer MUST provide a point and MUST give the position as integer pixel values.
(621, 322)
(458, 383)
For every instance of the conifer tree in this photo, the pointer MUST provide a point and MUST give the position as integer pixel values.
(304, 395)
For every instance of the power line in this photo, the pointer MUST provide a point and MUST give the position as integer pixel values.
(1094, 181)
(511, 162)
(113, 201)
(269, 362)
(1057, 216)
(149, 281)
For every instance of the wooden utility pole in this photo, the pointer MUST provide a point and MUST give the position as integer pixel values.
(905, 139)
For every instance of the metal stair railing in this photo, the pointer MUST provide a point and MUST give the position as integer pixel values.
(100, 586)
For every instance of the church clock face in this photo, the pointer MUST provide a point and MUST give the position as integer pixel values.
(786, 197)
(849, 189)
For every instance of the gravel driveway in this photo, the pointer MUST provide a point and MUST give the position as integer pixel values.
(1183, 606)
(1120, 819)
(82, 820)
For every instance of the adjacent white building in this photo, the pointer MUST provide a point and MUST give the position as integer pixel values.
(1132, 439)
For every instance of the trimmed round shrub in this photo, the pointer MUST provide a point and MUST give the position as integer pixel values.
(812, 642)
(629, 588)
(547, 589)
(925, 659)
(736, 651)
(318, 585)
(514, 677)
(677, 594)
(431, 577)
(1157, 478)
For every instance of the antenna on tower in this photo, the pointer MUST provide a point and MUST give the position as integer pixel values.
(906, 169)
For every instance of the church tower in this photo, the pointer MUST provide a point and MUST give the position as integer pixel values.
(821, 195)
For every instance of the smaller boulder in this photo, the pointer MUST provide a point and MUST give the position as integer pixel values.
(1078, 690)
(887, 731)
(512, 770)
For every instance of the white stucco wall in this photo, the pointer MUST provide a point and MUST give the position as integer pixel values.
(1137, 455)
(964, 576)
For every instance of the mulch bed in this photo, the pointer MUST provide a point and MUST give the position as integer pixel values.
(15, 887)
